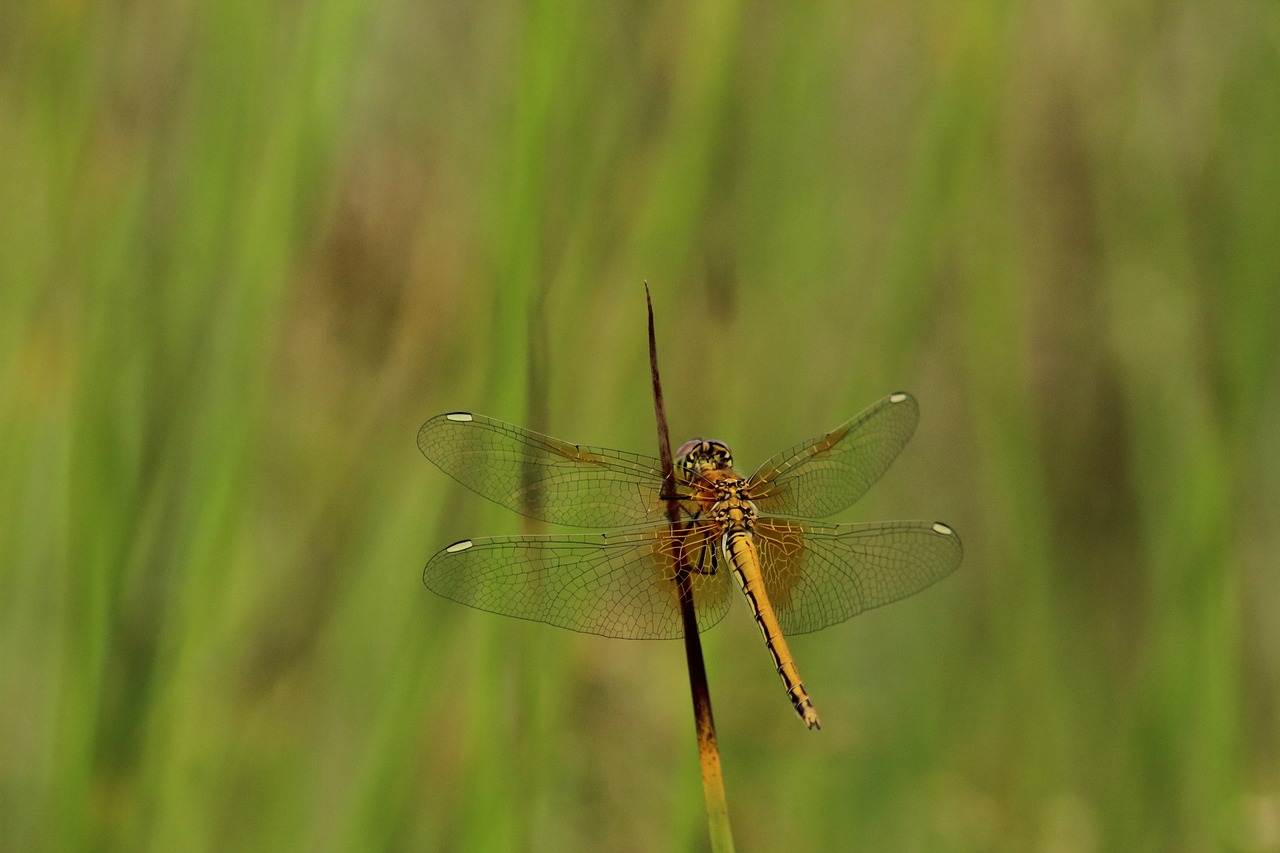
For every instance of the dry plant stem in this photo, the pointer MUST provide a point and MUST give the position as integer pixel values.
(708, 752)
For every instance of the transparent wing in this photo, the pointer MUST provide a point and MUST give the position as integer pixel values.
(543, 477)
(820, 477)
(821, 574)
(617, 584)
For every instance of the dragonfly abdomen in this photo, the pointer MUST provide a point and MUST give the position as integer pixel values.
(740, 552)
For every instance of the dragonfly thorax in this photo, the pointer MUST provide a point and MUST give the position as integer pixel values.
(700, 455)
(733, 512)
(725, 500)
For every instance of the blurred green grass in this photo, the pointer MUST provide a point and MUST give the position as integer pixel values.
(245, 249)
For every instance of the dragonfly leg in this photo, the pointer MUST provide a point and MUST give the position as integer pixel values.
(701, 568)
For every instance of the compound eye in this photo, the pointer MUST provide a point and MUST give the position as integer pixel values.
(718, 453)
(688, 447)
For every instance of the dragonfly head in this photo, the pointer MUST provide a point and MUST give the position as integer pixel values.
(700, 455)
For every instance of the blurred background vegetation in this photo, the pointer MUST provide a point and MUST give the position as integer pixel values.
(246, 248)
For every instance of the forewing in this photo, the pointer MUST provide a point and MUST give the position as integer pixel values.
(543, 477)
(818, 575)
(619, 584)
(822, 476)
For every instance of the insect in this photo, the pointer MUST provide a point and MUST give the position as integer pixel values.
(797, 575)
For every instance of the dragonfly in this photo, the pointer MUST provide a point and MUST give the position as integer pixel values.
(797, 574)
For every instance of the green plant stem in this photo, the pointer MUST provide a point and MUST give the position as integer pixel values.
(704, 722)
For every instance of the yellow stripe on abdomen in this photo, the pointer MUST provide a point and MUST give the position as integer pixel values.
(741, 552)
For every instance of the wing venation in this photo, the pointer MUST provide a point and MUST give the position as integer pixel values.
(819, 575)
(617, 584)
(824, 475)
(544, 477)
